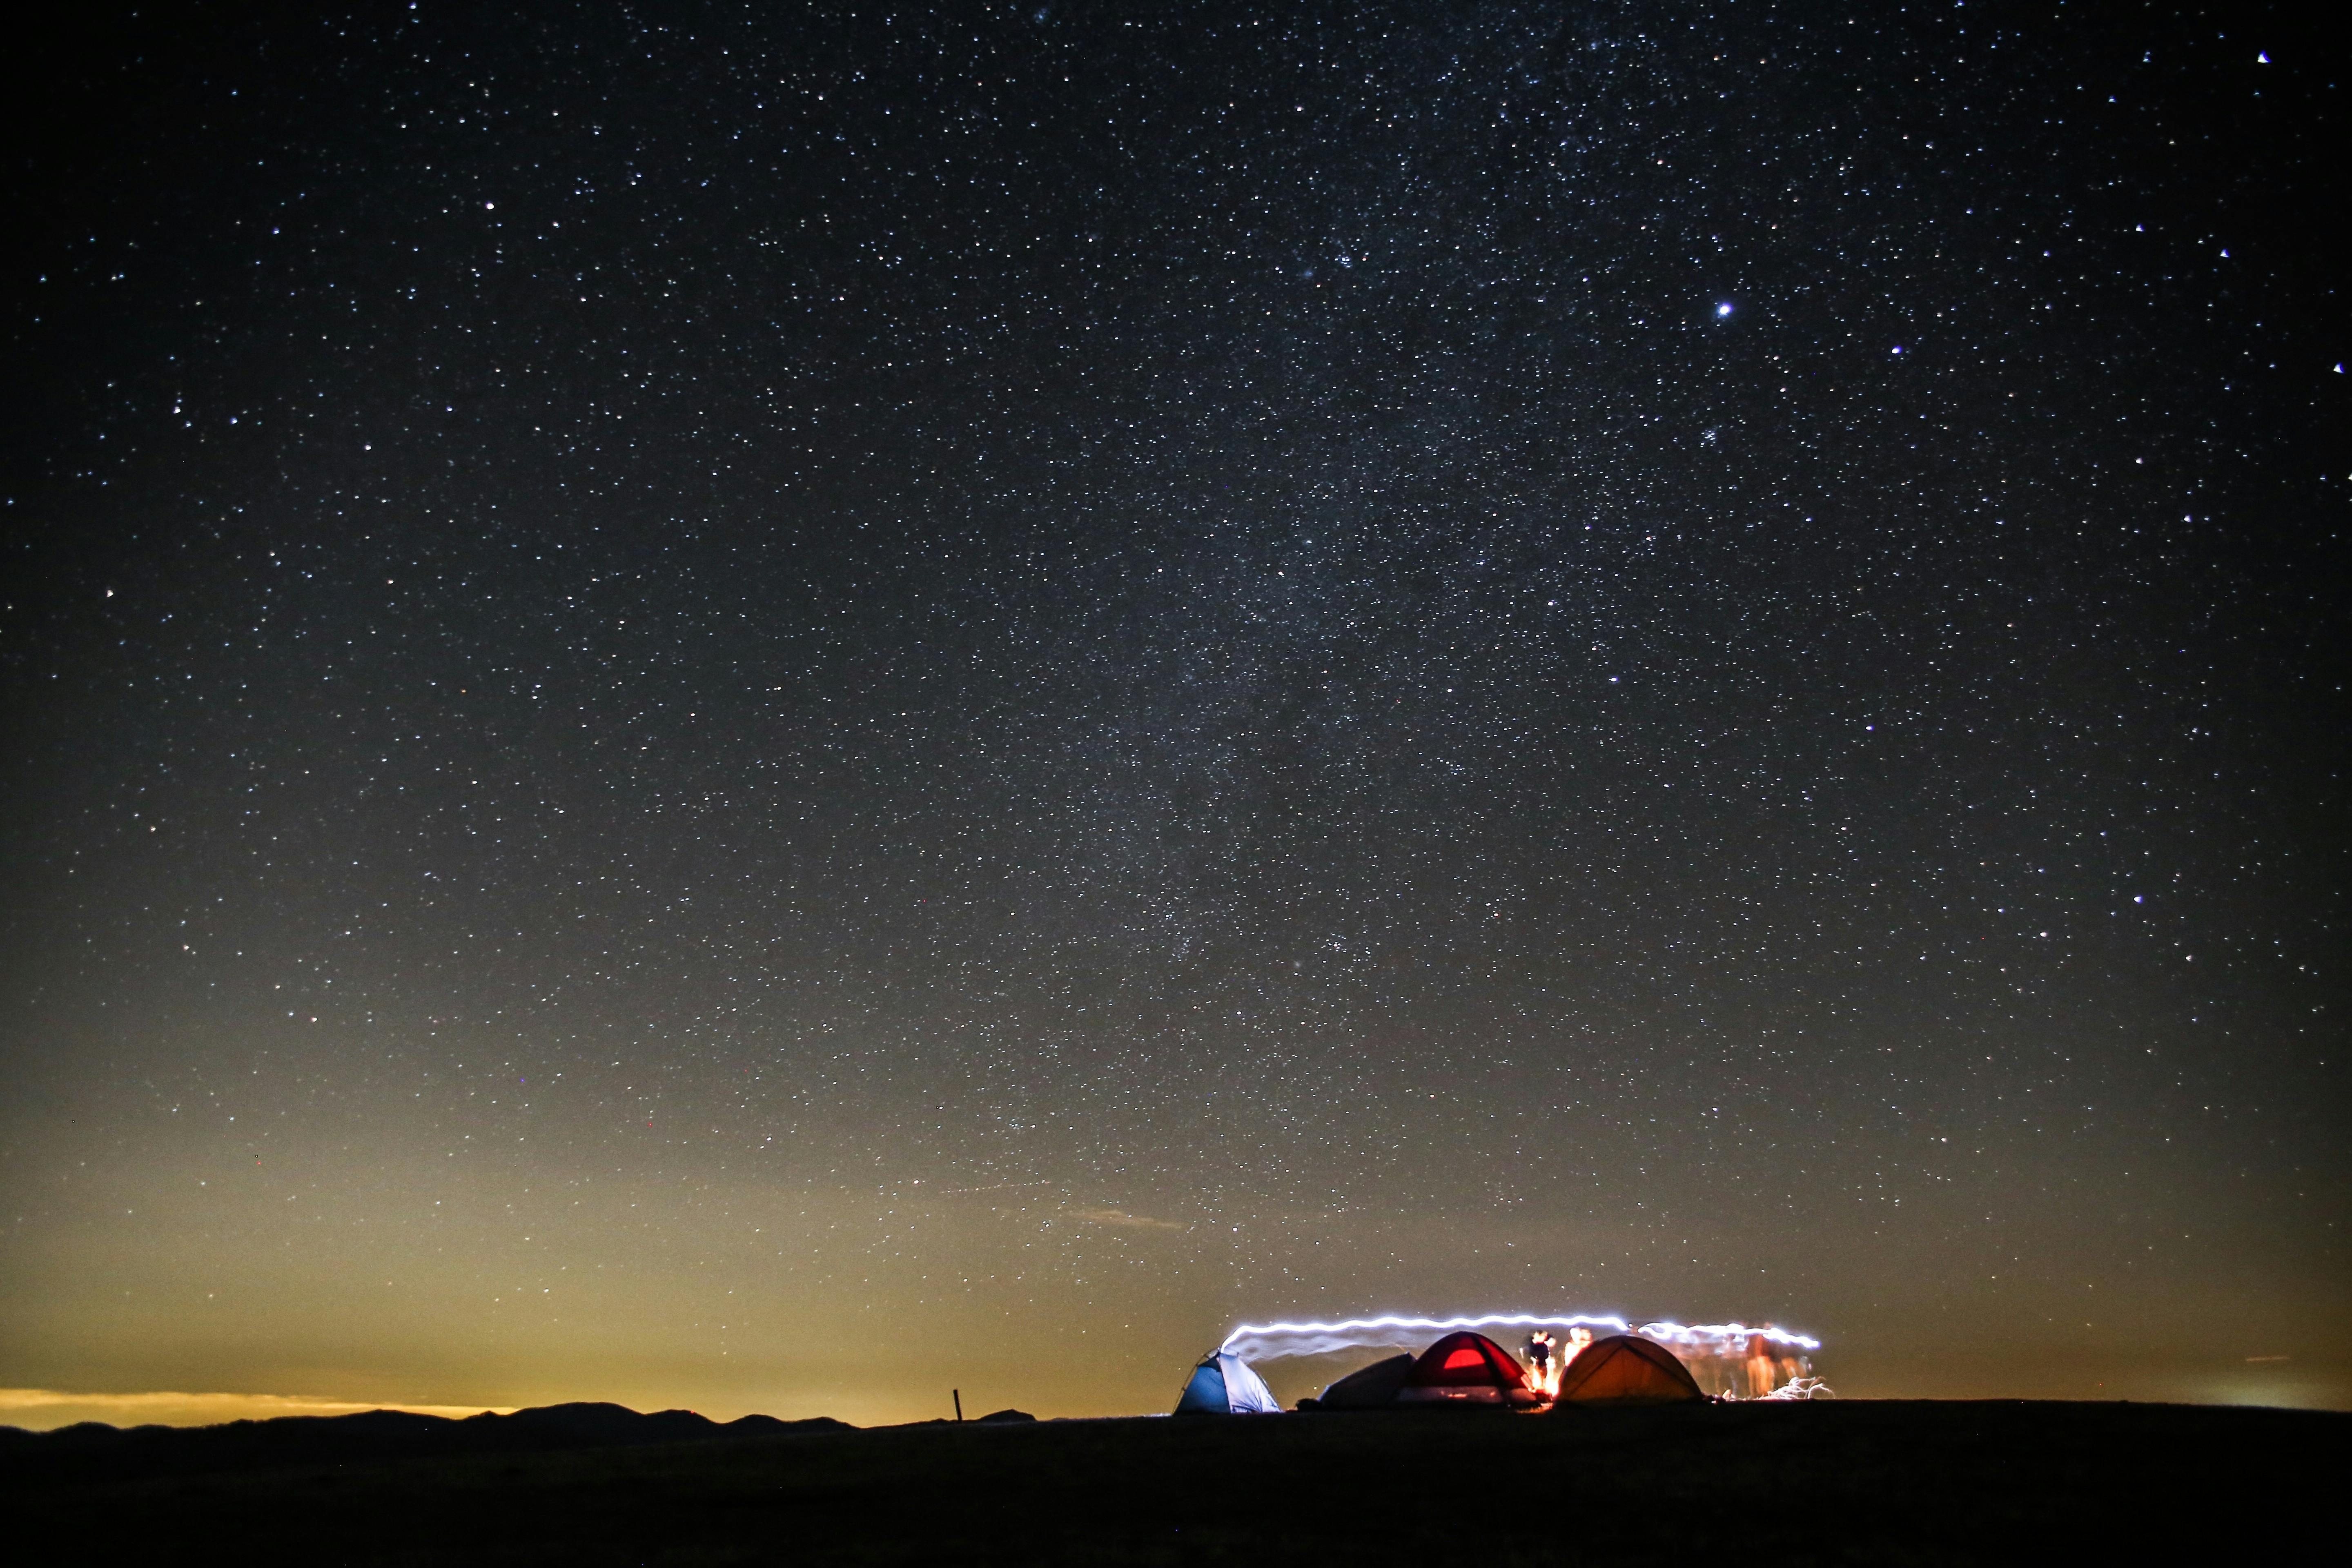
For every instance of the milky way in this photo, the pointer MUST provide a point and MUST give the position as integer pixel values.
(758, 710)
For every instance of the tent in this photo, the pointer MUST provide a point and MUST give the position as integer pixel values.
(1373, 1387)
(1224, 1385)
(1625, 1369)
(1464, 1368)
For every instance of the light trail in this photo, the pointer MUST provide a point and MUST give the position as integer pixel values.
(1269, 1342)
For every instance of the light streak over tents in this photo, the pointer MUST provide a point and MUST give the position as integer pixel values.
(1270, 1341)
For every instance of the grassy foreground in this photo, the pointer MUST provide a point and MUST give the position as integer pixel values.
(1832, 1482)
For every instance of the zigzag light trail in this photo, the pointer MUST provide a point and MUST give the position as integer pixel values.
(1267, 1341)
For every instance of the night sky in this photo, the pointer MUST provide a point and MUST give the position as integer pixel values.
(779, 707)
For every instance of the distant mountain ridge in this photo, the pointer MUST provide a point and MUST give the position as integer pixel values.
(371, 1434)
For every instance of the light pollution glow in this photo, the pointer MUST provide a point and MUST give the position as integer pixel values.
(44, 1409)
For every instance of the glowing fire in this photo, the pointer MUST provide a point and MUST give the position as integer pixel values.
(1734, 1360)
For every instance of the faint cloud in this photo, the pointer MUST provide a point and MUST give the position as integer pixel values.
(1121, 1218)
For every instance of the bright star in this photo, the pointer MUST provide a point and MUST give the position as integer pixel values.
(1722, 310)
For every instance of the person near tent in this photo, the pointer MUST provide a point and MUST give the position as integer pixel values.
(1762, 1370)
(1543, 1371)
(1578, 1338)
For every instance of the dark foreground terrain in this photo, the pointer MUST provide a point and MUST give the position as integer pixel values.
(1830, 1482)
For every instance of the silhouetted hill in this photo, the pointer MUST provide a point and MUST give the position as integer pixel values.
(93, 1449)
(591, 1487)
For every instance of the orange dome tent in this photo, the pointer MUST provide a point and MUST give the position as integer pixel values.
(1464, 1368)
(1625, 1369)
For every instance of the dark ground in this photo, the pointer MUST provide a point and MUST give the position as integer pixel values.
(1848, 1482)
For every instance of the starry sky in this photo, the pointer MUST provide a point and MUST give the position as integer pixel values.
(779, 707)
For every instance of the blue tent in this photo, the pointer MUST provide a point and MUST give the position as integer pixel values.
(1224, 1385)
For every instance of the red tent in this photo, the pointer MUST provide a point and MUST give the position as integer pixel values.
(1466, 1369)
(1625, 1369)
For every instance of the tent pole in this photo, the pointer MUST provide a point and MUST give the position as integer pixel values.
(959, 1399)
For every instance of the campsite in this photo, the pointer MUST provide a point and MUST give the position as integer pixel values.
(1454, 1454)
(1760, 1482)
(1450, 1452)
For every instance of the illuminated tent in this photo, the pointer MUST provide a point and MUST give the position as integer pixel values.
(1625, 1369)
(1373, 1387)
(1464, 1368)
(1224, 1385)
